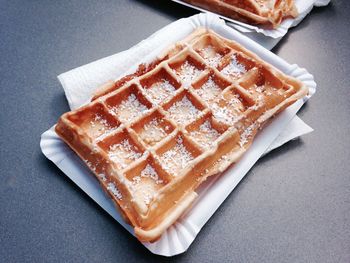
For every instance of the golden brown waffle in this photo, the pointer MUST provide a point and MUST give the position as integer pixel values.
(153, 137)
(269, 13)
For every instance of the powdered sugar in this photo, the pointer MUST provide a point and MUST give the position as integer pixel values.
(236, 102)
(260, 89)
(188, 72)
(102, 177)
(100, 120)
(147, 197)
(136, 180)
(99, 126)
(159, 91)
(225, 115)
(183, 111)
(206, 135)
(146, 184)
(150, 172)
(247, 133)
(234, 69)
(153, 132)
(114, 190)
(129, 109)
(259, 103)
(176, 158)
(124, 153)
(210, 55)
(209, 90)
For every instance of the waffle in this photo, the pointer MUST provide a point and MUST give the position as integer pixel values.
(153, 137)
(268, 13)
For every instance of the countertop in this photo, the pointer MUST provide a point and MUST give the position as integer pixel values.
(293, 206)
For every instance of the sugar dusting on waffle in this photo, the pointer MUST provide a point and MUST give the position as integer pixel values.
(183, 111)
(247, 134)
(101, 127)
(129, 108)
(153, 131)
(114, 190)
(176, 158)
(160, 90)
(123, 153)
(150, 172)
(209, 90)
(211, 56)
(206, 134)
(225, 115)
(188, 73)
(146, 189)
(104, 125)
(234, 68)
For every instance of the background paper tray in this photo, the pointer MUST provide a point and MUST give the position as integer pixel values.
(304, 7)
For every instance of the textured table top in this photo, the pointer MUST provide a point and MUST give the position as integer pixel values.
(293, 206)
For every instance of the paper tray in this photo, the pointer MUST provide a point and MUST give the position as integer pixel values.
(179, 236)
(304, 7)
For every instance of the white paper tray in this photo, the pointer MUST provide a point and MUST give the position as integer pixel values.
(304, 7)
(178, 237)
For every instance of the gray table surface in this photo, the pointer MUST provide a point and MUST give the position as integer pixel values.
(293, 206)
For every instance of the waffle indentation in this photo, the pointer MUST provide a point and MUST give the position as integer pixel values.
(159, 86)
(177, 155)
(129, 104)
(122, 149)
(184, 108)
(95, 121)
(153, 128)
(205, 131)
(147, 178)
(211, 50)
(187, 70)
(210, 87)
